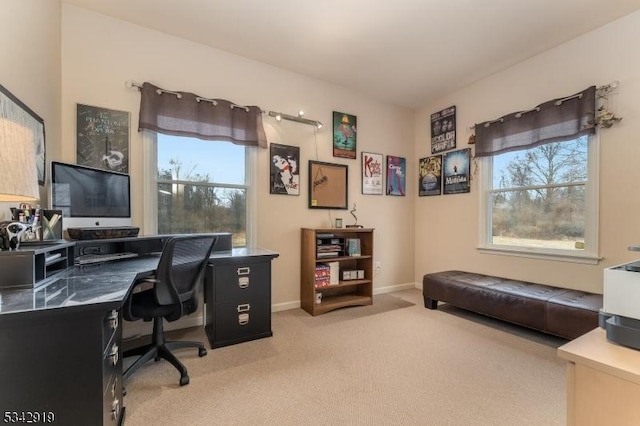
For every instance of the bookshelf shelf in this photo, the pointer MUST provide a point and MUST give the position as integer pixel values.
(315, 267)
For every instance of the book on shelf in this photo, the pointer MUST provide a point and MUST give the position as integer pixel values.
(324, 236)
(334, 273)
(322, 275)
(328, 254)
(329, 247)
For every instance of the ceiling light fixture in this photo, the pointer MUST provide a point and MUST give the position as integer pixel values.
(299, 118)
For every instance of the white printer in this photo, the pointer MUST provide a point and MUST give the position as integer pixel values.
(620, 313)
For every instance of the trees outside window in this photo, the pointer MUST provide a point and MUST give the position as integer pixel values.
(541, 199)
(201, 187)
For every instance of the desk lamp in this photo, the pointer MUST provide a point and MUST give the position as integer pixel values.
(18, 175)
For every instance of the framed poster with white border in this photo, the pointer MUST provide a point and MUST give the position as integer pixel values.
(372, 175)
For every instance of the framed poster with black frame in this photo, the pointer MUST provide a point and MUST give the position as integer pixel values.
(102, 138)
(328, 185)
(372, 175)
(443, 130)
(396, 175)
(31, 126)
(430, 176)
(456, 166)
(344, 135)
(284, 177)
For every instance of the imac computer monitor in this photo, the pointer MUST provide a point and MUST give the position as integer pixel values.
(90, 197)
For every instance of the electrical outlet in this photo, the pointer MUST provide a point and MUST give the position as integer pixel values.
(377, 267)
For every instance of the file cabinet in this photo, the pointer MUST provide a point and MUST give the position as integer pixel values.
(238, 299)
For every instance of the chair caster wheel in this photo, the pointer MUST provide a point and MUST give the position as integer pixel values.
(184, 380)
(202, 352)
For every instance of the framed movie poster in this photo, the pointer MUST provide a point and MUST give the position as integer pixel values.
(29, 128)
(396, 175)
(372, 176)
(430, 176)
(284, 175)
(443, 130)
(102, 138)
(344, 135)
(456, 169)
(328, 185)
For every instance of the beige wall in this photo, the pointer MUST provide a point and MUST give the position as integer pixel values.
(99, 54)
(30, 65)
(449, 224)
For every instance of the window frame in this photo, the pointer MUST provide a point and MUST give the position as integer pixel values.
(150, 171)
(590, 255)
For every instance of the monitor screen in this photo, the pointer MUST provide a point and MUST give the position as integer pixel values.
(90, 197)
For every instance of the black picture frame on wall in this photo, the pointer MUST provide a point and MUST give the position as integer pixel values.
(328, 185)
(15, 110)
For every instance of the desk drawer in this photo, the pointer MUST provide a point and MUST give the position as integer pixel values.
(242, 281)
(240, 321)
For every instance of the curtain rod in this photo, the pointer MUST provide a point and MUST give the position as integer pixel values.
(600, 90)
(135, 85)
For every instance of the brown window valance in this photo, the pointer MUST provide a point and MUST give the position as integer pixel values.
(190, 115)
(557, 120)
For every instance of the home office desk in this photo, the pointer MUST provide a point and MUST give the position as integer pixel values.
(60, 341)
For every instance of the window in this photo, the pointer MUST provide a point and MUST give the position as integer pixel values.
(542, 201)
(202, 186)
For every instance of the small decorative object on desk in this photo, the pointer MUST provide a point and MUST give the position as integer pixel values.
(338, 223)
(353, 213)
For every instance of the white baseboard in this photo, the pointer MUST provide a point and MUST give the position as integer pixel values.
(392, 288)
(277, 307)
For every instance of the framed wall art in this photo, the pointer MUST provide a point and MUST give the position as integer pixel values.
(456, 170)
(328, 185)
(396, 175)
(12, 110)
(344, 135)
(372, 174)
(102, 138)
(430, 176)
(443, 130)
(284, 177)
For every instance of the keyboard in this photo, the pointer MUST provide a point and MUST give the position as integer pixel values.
(107, 257)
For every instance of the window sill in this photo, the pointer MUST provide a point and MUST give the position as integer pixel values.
(543, 255)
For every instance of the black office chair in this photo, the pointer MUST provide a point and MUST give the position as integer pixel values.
(175, 291)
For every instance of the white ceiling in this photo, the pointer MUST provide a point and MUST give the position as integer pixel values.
(407, 52)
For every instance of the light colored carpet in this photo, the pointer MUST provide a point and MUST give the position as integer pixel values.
(392, 363)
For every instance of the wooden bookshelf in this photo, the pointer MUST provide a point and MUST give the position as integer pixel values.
(356, 291)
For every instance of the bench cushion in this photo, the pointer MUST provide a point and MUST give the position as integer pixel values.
(563, 312)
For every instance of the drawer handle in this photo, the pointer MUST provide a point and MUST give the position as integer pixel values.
(244, 307)
(115, 409)
(113, 354)
(243, 319)
(244, 271)
(243, 282)
(113, 319)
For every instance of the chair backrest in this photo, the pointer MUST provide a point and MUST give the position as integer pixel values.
(181, 268)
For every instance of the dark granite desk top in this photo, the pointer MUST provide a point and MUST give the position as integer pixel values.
(104, 283)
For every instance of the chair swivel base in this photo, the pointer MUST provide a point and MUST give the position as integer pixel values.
(161, 349)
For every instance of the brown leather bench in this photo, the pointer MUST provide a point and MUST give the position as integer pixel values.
(558, 311)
